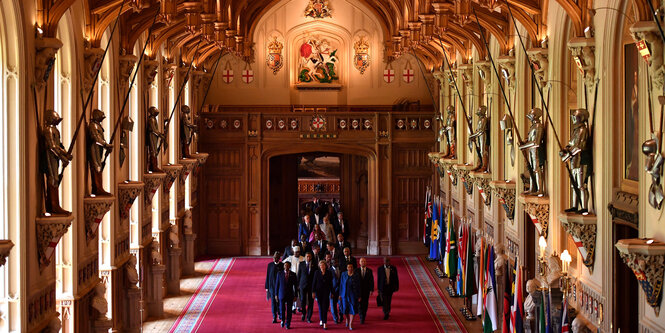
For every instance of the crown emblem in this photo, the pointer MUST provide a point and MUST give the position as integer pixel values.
(361, 46)
(275, 46)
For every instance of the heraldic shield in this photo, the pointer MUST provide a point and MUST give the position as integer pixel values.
(275, 60)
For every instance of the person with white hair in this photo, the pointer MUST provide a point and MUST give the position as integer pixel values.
(295, 261)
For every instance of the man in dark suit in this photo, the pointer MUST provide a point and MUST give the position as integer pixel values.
(285, 284)
(288, 250)
(366, 287)
(341, 243)
(348, 259)
(335, 252)
(387, 284)
(304, 245)
(343, 225)
(273, 267)
(305, 228)
(305, 275)
(321, 243)
(317, 254)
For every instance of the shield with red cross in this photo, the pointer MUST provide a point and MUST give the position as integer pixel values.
(408, 75)
(389, 75)
(227, 76)
(247, 76)
(318, 123)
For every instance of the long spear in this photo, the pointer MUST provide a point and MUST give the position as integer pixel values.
(175, 104)
(503, 92)
(655, 18)
(94, 81)
(214, 71)
(138, 66)
(461, 101)
(422, 71)
(542, 98)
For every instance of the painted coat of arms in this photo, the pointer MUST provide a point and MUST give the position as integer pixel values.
(318, 62)
(318, 9)
(361, 58)
(275, 61)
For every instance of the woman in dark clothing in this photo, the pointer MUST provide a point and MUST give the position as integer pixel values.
(349, 294)
(322, 285)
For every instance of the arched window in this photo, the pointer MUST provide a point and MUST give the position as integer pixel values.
(12, 177)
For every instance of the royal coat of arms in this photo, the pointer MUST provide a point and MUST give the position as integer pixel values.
(275, 61)
(318, 9)
(361, 58)
(318, 62)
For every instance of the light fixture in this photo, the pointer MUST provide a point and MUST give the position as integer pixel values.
(40, 32)
(588, 32)
(542, 244)
(543, 42)
(565, 261)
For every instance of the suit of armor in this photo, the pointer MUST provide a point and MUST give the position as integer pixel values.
(535, 146)
(187, 130)
(481, 135)
(54, 152)
(96, 147)
(152, 140)
(578, 154)
(654, 166)
(451, 132)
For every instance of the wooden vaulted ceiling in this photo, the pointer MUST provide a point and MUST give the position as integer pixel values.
(203, 28)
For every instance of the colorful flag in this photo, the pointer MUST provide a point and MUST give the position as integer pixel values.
(480, 279)
(541, 315)
(470, 282)
(548, 309)
(507, 299)
(434, 245)
(428, 217)
(442, 232)
(517, 310)
(491, 323)
(451, 264)
(564, 317)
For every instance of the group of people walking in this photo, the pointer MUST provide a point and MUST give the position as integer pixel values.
(343, 290)
(327, 273)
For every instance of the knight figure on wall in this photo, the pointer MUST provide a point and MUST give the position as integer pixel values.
(318, 61)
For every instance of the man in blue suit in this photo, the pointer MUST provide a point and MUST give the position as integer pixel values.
(305, 228)
(306, 271)
(273, 267)
(285, 284)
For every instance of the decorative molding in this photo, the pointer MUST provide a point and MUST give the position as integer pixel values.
(150, 68)
(92, 58)
(94, 210)
(172, 172)
(646, 257)
(583, 230)
(127, 63)
(482, 181)
(168, 71)
(49, 231)
(463, 171)
(127, 193)
(152, 181)
(6, 246)
(201, 158)
(188, 164)
(45, 50)
(450, 170)
(538, 209)
(466, 70)
(539, 59)
(583, 52)
(484, 68)
(505, 191)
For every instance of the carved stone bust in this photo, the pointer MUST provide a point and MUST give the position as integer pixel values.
(553, 277)
(154, 254)
(99, 301)
(132, 274)
(187, 224)
(529, 304)
(579, 325)
(500, 261)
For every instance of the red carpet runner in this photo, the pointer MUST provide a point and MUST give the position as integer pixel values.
(232, 299)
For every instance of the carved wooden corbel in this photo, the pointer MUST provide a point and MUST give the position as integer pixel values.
(167, 74)
(538, 209)
(50, 230)
(6, 246)
(507, 65)
(172, 172)
(539, 59)
(482, 182)
(95, 208)
(466, 70)
(150, 68)
(188, 164)
(463, 171)
(485, 72)
(583, 230)
(646, 257)
(92, 61)
(650, 46)
(45, 49)
(127, 63)
(152, 181)
(583, 51)
(505, 192)
(201, 158)
(450, 170)
(127, 193)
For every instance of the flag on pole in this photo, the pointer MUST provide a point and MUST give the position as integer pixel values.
(541, 315)
(507, 299)
(428, 217)
(480, 279)
(451, 253)
(470, 282)
(548, 308)
(442, 233)
(564, 317)
(433, 246)
(491, 323)
(517, 310)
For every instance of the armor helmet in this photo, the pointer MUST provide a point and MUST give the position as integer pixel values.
(153, 111)
(535, 114)
(482, 111)
(185, 109)
(98, 115)
(579, 116)
(650, 147)
(506, 122)
(51, 117)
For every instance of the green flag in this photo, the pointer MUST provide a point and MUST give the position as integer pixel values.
(541, 316)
